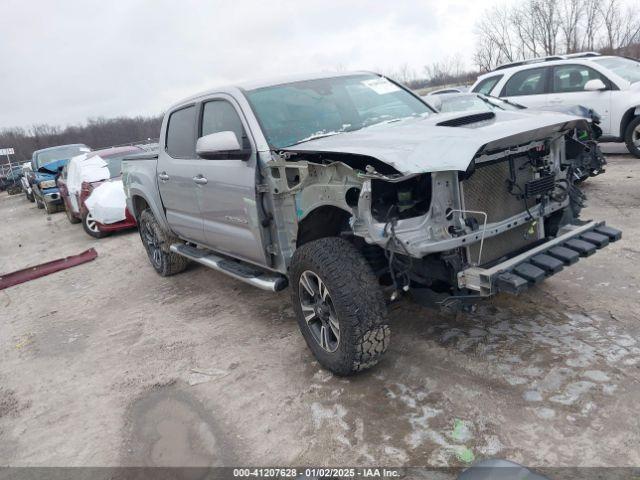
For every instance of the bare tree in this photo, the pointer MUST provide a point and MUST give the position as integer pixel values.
(534, 28)
(446, 70)
(591, 22)
(570, 16)
(496, 28)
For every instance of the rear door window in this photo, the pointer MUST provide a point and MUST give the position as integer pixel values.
(486, 86)
(181, 133)
(526, 82)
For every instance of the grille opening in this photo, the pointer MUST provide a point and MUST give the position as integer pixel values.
(487, 190)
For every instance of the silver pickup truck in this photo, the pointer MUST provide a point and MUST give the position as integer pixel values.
(351, 190)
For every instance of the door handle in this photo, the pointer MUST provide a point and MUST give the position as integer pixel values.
(163, 177)
(200, 180)
(555, 100)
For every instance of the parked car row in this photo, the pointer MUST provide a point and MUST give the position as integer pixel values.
(85, 183)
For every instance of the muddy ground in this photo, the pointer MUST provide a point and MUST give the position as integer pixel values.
(110, 364)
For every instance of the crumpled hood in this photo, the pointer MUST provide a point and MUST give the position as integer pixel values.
(419, 145)
(52, 167)
(41, 176)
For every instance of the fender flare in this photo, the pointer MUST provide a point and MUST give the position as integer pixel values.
(154, 204)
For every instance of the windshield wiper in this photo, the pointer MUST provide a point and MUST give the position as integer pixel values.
(315, 136)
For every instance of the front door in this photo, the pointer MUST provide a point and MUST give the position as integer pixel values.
(567, 88)
(228, 192)
(177, 169)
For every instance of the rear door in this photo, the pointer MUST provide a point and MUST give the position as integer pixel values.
(228, 198)
(528, 87)
(177, 168)
(567, 88)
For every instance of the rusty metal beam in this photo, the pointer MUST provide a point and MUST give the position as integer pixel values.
(31, 273)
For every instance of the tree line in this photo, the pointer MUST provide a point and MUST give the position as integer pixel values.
(535, 28)
(538, 28)
(96, 133)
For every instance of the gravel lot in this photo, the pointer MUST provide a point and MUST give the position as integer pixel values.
(109, 364)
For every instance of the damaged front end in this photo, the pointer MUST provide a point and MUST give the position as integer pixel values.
(505, 222)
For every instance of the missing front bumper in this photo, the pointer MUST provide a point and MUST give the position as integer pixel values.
(520, 272)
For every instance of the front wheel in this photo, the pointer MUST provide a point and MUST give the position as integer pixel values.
(339, 306)
(632, 137)
(91, 226)
(39, 203)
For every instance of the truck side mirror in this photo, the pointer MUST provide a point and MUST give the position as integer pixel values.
(594, 85)
(221, 145)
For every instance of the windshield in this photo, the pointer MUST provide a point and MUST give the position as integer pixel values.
(61, 153)
(623, 67)
(114, 164)
(297, 112)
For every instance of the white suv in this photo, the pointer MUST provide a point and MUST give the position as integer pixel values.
(609, 85)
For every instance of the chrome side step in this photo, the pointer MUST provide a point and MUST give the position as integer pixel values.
(244, 272)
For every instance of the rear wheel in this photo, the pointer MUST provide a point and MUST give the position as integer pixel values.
(91, 226)
(70, 216)
(29, 196)
(632, 137)
(157, 242)
(339, 306)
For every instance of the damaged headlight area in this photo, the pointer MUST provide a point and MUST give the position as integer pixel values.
(47, 184)
(401, 199)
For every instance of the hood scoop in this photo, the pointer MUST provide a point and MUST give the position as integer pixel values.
(467, 119)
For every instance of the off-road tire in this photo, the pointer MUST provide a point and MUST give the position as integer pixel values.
(628, 137)
(39, 203)
(88, 230)
(70, 216)
(166, 262)
(357, 300)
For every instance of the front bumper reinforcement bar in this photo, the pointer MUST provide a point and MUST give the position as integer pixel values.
(520, 272)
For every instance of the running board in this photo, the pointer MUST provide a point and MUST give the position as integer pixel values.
(244, 272)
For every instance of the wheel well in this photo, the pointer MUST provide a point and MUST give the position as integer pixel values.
(139, 204)
(326, 221)
(626, 120)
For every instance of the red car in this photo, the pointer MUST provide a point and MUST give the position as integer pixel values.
(74, 203)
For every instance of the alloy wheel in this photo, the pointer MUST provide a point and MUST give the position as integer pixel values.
(635, 136)
(92, 224)
(318, 311)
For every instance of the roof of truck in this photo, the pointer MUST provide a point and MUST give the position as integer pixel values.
(269, 82)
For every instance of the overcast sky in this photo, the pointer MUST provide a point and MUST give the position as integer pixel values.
(68, 60)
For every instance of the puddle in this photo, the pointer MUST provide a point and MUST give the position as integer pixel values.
(169, 427)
